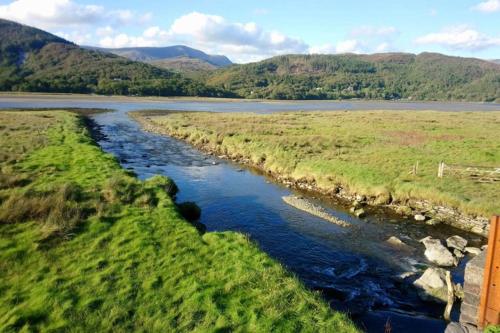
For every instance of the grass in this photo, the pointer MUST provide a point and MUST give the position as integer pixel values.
(85, 246)
(367, 152)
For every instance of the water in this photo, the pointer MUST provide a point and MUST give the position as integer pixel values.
(354, 268)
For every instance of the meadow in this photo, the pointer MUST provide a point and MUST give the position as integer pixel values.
(85, 246)
(371, 153)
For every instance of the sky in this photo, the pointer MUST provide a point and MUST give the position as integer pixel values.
(247, 31)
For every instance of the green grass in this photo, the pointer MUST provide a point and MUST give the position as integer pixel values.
(367, 152)
(123, 258)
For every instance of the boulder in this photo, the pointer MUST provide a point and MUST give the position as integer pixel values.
(459, 254)
(473, 250)
(432, 222)
(456, 242)
(432, 285)
(359, 213)
(437, 253)
(398, 243)
(419, 217)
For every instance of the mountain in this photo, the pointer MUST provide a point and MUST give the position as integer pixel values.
(496, 61)
(426, 76)
(35, 60)
(164, 56)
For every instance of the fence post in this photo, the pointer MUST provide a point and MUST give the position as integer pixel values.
(440, 169)
(489, 306)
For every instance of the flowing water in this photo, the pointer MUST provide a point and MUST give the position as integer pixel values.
(354, 268)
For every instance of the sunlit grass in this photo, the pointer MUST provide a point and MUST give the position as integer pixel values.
(367, 152)
(129, 261)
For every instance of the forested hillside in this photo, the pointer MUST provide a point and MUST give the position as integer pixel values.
(34, 60)
(427, 76)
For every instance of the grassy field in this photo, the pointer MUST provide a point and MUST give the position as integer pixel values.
(367, 152)
(84, 246)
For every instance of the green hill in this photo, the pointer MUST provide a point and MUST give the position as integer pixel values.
(427, 76)
(34, 60)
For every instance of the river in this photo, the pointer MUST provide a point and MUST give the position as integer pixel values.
(355, 269)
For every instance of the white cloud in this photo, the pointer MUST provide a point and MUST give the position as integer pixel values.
(124, 40)
(214, 29)
(345, 46)
(488, 6)
(371, 31)
(105, 31)
(459, 38)
(242, 42)
(382, 47)
(47, 14)
(76, 37)
(348, 46)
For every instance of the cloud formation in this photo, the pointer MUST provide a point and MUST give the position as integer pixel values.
(49, 14)
(215, 34)
(488, 6)
(459, 38)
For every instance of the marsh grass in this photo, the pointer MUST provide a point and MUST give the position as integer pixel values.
(85, 247)
(367, 152)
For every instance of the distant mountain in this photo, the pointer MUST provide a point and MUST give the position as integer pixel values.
(162, 55)
(184, 65)
(427, 76)
(34, 60)
(496, 61)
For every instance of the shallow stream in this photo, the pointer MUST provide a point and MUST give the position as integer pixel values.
(356, 270)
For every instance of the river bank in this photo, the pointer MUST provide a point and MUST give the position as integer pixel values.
(227, 137)
(86, 246)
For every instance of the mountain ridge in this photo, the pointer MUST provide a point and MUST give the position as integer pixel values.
(149, 54)
(34, 60)
(424, 76)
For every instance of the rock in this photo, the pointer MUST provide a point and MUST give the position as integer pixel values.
(360, 213)
(433, 285)
(214, 163)
(458, 290)
(455, 327)
(360, 198)
(398, 243)
(456, 242)
(356, 205)
(437, 253)
(432, 222)
(484, 247)
(404, 210)
(352, 209)
(459, 254)
(419, 217)
(473, 250)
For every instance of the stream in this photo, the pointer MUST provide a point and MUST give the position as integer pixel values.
(354, 268)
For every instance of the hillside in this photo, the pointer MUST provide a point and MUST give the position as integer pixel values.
(169, 56)
(34, 60)
(189, 67)
(427, 76)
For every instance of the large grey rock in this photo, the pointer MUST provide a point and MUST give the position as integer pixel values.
(432, 285)
(473, 250)
(456, 242)
(437, 253)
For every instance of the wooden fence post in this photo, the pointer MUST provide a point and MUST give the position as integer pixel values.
(489, 306)
(440, 169)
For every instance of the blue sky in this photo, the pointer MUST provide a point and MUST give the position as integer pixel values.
(252, 30)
